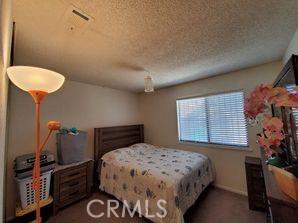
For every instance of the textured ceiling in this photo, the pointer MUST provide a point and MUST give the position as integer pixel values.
(176, 41)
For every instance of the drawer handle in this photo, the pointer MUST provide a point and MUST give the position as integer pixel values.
(73, 184)
(73, 174)
(73, 193)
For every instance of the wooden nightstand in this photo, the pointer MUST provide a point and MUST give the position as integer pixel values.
(71, 183)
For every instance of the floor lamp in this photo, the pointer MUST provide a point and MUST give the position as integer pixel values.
(38, 83)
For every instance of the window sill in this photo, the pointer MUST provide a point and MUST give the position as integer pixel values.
(217, 146)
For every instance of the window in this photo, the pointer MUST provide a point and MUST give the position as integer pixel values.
(291, 89)
(215, 119)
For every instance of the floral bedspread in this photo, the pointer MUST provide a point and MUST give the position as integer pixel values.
(144, 172)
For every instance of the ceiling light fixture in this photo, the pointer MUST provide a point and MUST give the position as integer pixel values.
(148, 84)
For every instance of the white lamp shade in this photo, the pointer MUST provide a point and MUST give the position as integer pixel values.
(34, 78)
(148, 84)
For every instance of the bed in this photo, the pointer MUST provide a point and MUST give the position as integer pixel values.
(161, 183)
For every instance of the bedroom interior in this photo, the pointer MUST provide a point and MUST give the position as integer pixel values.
(175, 111)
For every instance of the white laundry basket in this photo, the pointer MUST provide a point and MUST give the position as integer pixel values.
(27, 193)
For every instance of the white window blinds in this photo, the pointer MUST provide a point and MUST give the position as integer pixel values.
(217, 119)
(291, 89)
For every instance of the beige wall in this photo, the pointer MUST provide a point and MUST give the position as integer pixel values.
(158, 113)
(76, 104)
(292, 48)
(5, 40)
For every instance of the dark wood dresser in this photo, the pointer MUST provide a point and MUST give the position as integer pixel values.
(282, 208)
(255, 184)
(71, 183)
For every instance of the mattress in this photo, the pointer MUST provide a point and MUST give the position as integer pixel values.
(161, 183)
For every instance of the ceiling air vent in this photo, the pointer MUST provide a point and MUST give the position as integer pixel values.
(75, 20)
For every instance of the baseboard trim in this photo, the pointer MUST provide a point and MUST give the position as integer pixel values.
(231, 189)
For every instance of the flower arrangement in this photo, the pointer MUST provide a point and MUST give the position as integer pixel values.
(257, 107)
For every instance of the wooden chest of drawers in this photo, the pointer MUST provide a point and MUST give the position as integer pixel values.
(255, 184)
(71, 183)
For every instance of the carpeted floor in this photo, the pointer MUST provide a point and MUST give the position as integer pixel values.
(214, 206)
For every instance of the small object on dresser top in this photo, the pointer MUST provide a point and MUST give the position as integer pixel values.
(71, 147)
(72, 131)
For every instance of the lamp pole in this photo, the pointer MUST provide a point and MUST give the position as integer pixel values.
(37, 97)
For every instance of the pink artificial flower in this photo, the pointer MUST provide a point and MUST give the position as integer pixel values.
(256, 102)
(275, 93)
(282, 97)
(287, 100)
(272, 124)
(253, 107)
(272, 136)
(264, 143)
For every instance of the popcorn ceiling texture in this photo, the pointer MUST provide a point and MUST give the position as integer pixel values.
(177, 41)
